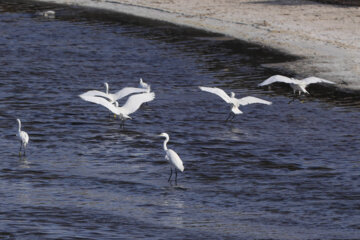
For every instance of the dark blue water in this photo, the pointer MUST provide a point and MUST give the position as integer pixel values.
(285, 171)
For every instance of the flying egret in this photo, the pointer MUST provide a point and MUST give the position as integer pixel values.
(144, 85)
(295, 84)
(234, 102)
(172, 157)
(24, 138)
(113, 97)
(132, 104)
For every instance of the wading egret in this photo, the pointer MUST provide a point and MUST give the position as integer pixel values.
(113, 97)
(295, 84)
(234, 102)
(47, 14)
(24, 138)
(172, 157)
(144, 85)
(132, 104)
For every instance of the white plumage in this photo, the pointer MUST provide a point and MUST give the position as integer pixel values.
(113, 97)
(234, 102)
(132, 104)
(144, 85)
(296, 84)
(23, 136)
(172, 157)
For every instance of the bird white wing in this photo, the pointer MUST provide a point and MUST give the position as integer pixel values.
(24, 137)
(127, 91)
(101, 101)
(276, 78)
(311, 80)
(134, 102)
(175, 159)
(96, 93)
(250, 100)
(221, 93)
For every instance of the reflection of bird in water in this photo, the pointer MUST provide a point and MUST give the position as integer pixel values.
(234, 102)
(295, 84)
(24, 138)
(172, 157)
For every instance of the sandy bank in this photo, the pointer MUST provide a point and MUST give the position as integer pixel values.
(326, 36)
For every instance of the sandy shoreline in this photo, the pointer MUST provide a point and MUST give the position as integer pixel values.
(326, 36)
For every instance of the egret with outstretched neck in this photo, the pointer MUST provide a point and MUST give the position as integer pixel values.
(234, 102)
(24, 138)
(172, 157)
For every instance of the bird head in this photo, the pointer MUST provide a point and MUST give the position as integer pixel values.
(164, 135)
(232, 94)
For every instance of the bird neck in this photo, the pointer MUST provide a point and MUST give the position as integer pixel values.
(19, 129)
(107, 88)
(165, 142)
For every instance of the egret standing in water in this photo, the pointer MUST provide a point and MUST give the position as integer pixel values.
(234, 102)
(172, 157)
(24, 138)
(132, 104)
(296, 84)
(144, 85)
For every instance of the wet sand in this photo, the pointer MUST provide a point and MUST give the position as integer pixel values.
(325, 37)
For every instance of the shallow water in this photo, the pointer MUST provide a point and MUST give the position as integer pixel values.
(285, 171)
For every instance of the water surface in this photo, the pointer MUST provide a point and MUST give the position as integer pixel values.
(285, 171)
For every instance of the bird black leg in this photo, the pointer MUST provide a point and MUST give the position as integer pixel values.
(229, 116)
(170, 174)
(293, 99)
(20, 149)
(175, 176)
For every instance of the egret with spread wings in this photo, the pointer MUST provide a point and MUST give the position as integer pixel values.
(296, 84)
(132, 104)
(234, 102)
(113, 97)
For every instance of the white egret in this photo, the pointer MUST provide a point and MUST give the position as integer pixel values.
(47, 14)
(132, 104)
(113, 97)
(24, 138)
(295, 84)
(144, 85)
(172, 157)
(234, 102)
